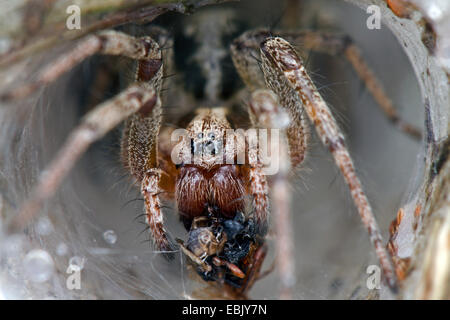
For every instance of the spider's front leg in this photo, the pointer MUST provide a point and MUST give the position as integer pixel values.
(95, 125)
(140, 105)
(245, 51)
(139, 151)
(337, 44)
(283, 68)
(268, 111)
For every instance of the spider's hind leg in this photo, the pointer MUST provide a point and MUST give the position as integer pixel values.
(139, 151)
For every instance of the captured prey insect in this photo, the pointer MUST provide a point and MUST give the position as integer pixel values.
(226, 240)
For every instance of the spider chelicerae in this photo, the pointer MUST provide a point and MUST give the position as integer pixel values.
(212, 195)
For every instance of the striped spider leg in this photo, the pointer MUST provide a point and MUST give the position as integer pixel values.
(139, 105)
(335, 44)
(282, 71)
(331, 43)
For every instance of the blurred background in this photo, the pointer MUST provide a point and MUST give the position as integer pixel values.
(91, 224)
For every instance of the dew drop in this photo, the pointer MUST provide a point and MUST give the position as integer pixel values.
(44, 227)
(62, 249)
(435, 12)
(110, 236)
(38, 265)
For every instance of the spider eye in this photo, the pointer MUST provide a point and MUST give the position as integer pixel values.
(200, 135)
(211, 136)
(192, 146)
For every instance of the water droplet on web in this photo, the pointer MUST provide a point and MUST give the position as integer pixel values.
(62, 249)
(38, 265)
(44, 227)
(110, 236)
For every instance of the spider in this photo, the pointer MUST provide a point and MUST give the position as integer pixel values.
(279, 94)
